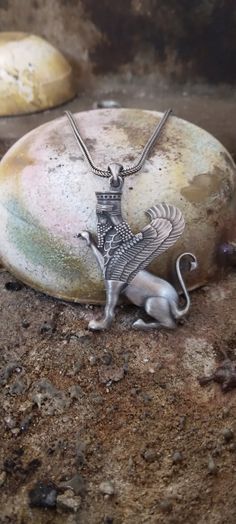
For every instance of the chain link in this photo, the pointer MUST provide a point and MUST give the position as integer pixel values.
(125, 171)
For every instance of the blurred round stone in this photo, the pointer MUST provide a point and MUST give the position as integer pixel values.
(47, 196)
(33, 74)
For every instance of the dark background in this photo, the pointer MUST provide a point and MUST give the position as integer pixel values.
(181, 41)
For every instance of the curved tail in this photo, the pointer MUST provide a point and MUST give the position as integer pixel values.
(181, 312)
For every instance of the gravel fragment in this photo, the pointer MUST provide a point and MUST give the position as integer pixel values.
(216, 452)
(150, 455)
(15, 431)
(177, 457)
(25, 422)
(106, 104)
(107, 488)
(110, 374)
(212, 467)
(8, 370)
(228, 434)
(68, 501)
(93, 360)
(106, 359)
(19, 387)
(13, 286)
(43, 495)
(76, 484)
(166, 506)
(48, 398)
(47, 327)
(25, 324)
(80, 453)
(76, 392)
(3, 477)
(96, 399)
(10, 422)
(182, 422)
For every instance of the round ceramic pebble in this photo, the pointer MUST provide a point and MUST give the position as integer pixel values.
(47, 197)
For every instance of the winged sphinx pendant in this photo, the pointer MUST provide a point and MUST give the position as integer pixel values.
(123, 257)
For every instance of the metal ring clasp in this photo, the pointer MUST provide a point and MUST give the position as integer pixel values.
(116, 180)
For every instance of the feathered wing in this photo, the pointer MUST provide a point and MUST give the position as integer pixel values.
(166, 226)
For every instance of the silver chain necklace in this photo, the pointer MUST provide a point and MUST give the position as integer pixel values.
(123, 255)
(123, 171)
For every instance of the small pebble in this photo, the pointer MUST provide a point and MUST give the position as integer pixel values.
(8, 371)
(177, 457)
(146, 397)
(13, 286)
(166, 506)
(25, 423)
(47, 327)
(18, 388)
(25, 324)
(212, 467)
(3, 477)
(43, 495)
(182, 422)
(10, 422)
(126, 368)
(80, 454)
(93, 360)
(107, 488)
(228, 434)
(225, 412)
(216, 452)
(106, 359)
(76, 484)
(77, 368)
(76, 392)
(150, 455)
(97, 399)
(68, 501)
(126, 357)
(110, 374)
(15, 431)
(106, 104)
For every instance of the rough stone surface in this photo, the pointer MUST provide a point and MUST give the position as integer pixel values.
(33, 74)
(48, 196)
(68, 502)
(106, 487)
(43, 495)
(160, 412)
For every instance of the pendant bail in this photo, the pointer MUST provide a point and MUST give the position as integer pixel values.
(116, 180)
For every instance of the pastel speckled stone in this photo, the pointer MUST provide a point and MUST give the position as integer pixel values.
(47, 196)
(33, 75)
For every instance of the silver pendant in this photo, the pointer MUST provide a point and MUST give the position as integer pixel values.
(123, 257)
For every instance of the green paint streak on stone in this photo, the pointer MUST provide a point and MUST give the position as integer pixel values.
(38, 245)
(41, 248)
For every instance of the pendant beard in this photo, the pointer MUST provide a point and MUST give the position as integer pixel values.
(102, 230)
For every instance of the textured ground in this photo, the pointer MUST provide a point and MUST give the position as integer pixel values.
(121, 407)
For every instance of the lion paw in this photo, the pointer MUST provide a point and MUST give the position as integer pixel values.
(86, 236)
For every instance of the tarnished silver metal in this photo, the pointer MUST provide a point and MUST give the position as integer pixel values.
(128, 170)
(123, 256)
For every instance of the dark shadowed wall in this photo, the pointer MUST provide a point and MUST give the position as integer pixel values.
(180, 40)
